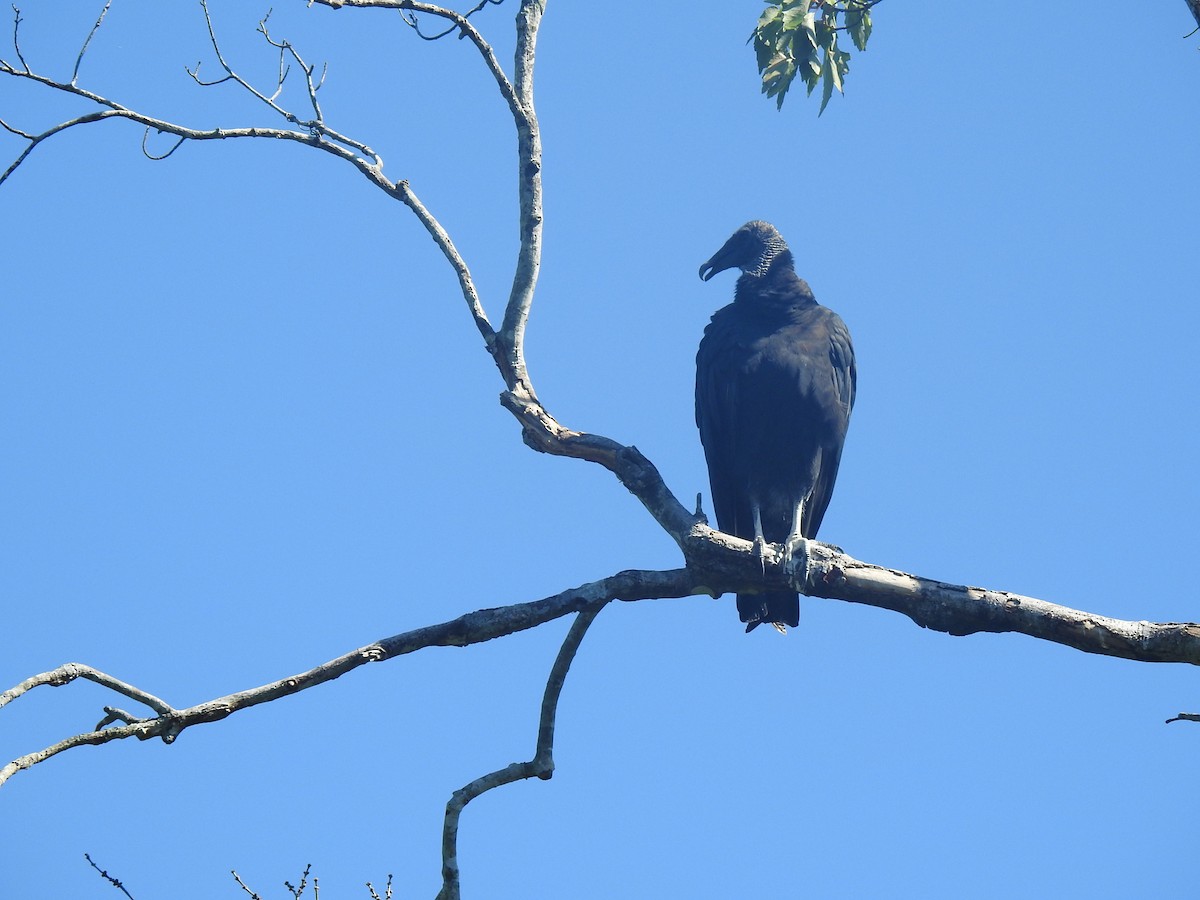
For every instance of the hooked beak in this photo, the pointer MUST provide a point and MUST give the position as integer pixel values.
(725, 258)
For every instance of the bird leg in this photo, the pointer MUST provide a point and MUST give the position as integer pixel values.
(796, 541)
(760, 542)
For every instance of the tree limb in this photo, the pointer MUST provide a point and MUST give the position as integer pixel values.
(541, 766)
(717, 564)
(472, 628)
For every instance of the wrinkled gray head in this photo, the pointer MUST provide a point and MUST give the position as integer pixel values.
(751, 249)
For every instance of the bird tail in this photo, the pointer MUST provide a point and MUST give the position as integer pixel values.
(777, 607)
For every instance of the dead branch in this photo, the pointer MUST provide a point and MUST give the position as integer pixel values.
(387, 890)
(285, 49)
(86, 42)
(508, 350)
(473, 628)
(541, 766)
(718, 564)
(114, 881)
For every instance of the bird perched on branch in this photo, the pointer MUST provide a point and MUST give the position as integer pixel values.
(775, 383)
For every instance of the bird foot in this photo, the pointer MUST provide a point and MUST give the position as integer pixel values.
(796, 556)
(760, 552)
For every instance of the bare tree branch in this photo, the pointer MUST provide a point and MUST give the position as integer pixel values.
(115, 882)
(508, 351)
(17, 39)
(285, 49)
(472, 628)
(242, 884)
(387, 890)
(717, 564)
(411, 20)
(541, 766)
(87, 41)
(69, 672)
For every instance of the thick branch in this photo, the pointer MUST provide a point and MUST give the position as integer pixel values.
(719, 561)
(529, 173)
(543, 433)
(509, 350)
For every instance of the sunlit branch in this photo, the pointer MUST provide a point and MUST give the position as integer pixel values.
(17, 39)
(284, 48)
(411, 20)
(529, 169)
(508, 350)
(69, 672)
(405, 194)
(87, 41)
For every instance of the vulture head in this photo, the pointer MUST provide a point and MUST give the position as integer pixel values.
(751, 249)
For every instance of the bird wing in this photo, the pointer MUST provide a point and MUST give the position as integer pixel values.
(717, 395)
(844, 375)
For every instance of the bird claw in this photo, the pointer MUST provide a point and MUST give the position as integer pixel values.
(760, 551)
(790, 547)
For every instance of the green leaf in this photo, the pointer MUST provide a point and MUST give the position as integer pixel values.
(834, 67)
(826, 30)
(858, 24)
(790, 41)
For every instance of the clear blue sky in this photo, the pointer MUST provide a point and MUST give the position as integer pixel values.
(247, 425)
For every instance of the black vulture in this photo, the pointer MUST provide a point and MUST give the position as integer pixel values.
(775, 384)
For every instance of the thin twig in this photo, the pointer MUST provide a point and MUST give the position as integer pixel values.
(297, 891)
(17, 38)
(146, 152)
(286, 47)
(17, 131)
(387, 892)
(88, 40)
(242, 884)
(410, 19)
(269, 101)
(115, 882)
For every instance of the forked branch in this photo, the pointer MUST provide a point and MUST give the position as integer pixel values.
(541, 766)
(473, 628)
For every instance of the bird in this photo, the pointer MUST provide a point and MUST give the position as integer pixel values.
(775, 385)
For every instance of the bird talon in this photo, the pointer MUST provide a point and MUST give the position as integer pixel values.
(759, 549)
(790, 546)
